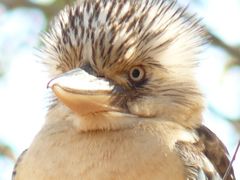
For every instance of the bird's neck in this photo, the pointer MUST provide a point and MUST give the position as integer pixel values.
(115, 120)
(94, 121)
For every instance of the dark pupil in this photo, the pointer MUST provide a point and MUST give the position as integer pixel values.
(135, 73)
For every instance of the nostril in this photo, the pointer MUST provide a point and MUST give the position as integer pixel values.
(88, 68)
(101, 76)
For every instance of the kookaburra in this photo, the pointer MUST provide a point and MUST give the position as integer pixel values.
(127, 104)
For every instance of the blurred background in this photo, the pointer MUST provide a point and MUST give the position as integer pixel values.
(23, 82)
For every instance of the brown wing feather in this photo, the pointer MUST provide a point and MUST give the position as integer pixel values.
(215, 151)
(206, 159)
(197, 166)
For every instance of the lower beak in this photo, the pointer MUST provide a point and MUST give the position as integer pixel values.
(83, 93)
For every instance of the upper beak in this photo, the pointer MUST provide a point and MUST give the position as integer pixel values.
(82, 93)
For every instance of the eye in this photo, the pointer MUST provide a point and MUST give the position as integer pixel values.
(137, 73)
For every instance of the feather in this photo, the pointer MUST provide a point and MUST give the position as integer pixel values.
(207, 159)
(215, 151)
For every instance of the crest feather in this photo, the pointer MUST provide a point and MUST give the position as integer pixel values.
(105, 32)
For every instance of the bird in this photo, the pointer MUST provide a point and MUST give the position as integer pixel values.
(124, 102)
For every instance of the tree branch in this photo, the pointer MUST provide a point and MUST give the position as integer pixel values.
(235, 52)
(49, 11)
(6, 151)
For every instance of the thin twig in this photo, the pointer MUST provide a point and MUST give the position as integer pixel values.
(234, 51)
(233, 159)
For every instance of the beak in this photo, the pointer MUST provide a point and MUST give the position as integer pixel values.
(83, 93)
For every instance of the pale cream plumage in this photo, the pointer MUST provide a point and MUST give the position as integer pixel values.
(128, 105)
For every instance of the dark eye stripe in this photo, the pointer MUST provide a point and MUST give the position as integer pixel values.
(139, 84)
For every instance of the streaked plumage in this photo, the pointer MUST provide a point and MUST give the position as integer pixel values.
(139, 114)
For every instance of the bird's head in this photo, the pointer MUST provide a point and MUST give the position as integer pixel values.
(116, 62)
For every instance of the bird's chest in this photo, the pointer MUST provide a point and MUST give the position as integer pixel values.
(127, 154)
